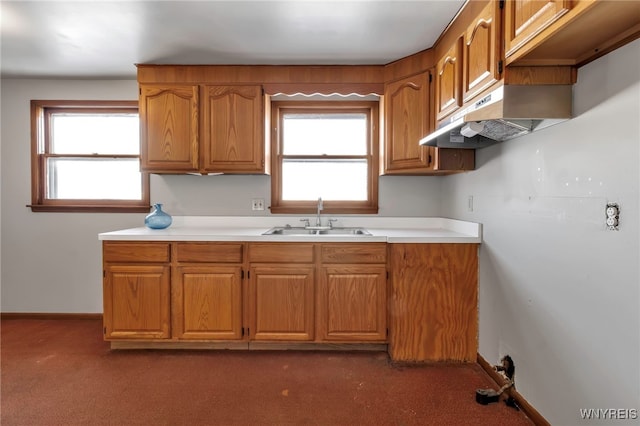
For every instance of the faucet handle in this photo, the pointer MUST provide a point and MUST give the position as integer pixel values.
(331, 222)
(306, 222)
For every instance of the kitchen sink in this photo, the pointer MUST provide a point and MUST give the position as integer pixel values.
(286, 230)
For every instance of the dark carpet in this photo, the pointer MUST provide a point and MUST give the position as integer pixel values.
(61, 372)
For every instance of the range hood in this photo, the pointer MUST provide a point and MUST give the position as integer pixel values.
(508, 112)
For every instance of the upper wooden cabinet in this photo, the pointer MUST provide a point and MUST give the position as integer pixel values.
(481, 52)
(526, 18)
(564, 32)
(202, 129)
(233, 129)
(169, 128)
(469, 57)
(407, 118)
(449, 80)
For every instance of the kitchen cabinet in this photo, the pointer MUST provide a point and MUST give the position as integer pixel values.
(471, 63)
(136, 290)
(202, 128)
(434, 302)
(481, 54)
(207, 291)
(525, 19)
(449, 80)
(419, 301)
(169, 128)
(567, 33)
(352, 293)
(407, 118)
(233, 129)
(281, 292)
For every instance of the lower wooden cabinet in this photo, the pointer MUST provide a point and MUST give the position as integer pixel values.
(281, 303)
(207, 302)
(352, 303)
(434, 302)
(419, 299)
(136, 290)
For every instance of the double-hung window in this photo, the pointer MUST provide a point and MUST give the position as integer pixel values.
(327, 150)
(86, 157)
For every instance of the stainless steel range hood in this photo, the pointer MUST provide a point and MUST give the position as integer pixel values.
(506, 113)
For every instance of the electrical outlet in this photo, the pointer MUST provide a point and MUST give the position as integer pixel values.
(470, 203)
(612, 212)
(257, 204)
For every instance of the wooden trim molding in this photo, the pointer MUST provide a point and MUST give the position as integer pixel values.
(528, 409)
(49, 316)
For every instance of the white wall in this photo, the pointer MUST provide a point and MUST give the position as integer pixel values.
(51, 262)
(559, 292)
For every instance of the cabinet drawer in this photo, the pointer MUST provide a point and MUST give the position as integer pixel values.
(354, 253)
(281, 253)
(135, 252)
(209, 252)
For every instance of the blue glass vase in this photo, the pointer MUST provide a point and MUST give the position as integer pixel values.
(157, 219)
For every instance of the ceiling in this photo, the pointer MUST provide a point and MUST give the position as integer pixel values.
(105, 39)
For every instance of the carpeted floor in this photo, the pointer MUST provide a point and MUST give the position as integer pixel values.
(61, 372)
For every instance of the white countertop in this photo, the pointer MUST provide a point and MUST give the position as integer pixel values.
(251, 228)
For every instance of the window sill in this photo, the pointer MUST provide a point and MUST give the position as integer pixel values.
(48, 208)
(328, 211)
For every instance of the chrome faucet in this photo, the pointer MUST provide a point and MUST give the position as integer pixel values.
(320, 207)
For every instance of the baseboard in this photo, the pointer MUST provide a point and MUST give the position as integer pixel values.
(528, 409)
(48, 315)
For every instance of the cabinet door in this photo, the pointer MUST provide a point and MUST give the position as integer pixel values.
(526, 18)
(433, 308)
(352, 303)
(136, 302)
(407, 120)
(448, 81)
(481, 52)
(207, 302)
(233, 129)
(169, 128)
(281, 303)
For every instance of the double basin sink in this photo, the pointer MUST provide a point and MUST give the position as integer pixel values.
(316, 230)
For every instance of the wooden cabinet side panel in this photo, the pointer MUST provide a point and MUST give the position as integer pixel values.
(352, 303)
(234, 129)
(406, 122)
(454, 159)
(433, 307)
(208, 302)
(282, 303)
(169, 128)
(137, 301)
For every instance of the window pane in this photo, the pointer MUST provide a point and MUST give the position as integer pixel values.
(330, 134)
(95, 133)
(331, 180)
(94, 179)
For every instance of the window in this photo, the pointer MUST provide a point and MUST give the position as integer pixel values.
(85, 156)
(325, 150)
